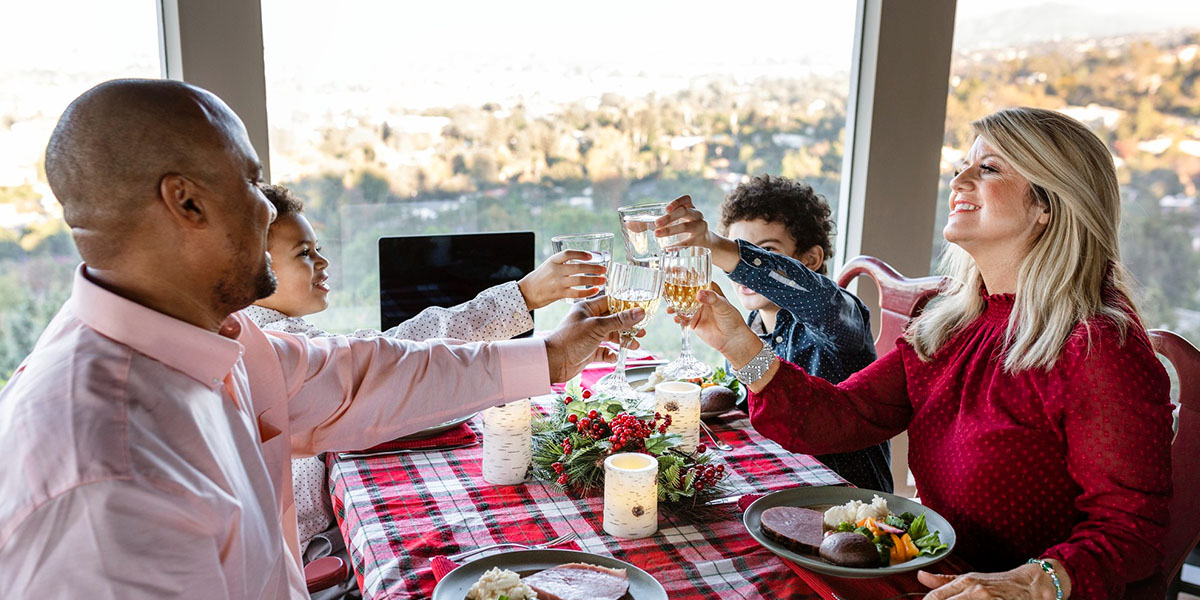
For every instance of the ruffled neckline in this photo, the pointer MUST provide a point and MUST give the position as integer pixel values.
(997, 307)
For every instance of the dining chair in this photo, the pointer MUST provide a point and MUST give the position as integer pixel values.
(900, 299)
(1184, 530)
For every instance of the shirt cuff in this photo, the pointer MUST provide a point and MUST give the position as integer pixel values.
(524, 368)
(510, 297)
(750, 259)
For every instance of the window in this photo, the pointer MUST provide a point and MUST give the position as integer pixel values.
(49, 60)
(1131, 72)
(402, 118)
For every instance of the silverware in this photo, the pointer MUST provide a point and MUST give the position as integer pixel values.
(405, 451)
(725, 500)
(718, 444)
(562, 539)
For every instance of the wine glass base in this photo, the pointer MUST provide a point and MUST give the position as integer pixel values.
(686, 368)
(617, 388)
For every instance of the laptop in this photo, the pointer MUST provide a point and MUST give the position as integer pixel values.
(419, 271)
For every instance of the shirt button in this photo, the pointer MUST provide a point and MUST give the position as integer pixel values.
(779, 339)
(216, 381)
(758, 262)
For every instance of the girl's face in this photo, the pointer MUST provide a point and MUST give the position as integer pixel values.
(772, 236)
(992, 209)
(299, 266)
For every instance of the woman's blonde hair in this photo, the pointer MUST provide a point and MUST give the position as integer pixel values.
(1073, 269)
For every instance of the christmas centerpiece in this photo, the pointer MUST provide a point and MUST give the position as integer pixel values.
(571, 443)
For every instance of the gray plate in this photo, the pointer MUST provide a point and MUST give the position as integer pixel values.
(527, 562)
(637, 376)
(830, 495)
(436, 429)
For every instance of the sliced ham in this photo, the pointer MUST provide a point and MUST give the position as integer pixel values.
(579, 581)
(798, 529)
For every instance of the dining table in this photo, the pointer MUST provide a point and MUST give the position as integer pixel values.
(400, 511)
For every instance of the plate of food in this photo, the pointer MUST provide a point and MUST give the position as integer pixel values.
(564, 574)
(719, 394)
(849, 532)
(429, 432)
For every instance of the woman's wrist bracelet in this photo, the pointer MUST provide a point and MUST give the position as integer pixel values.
(1049, 569)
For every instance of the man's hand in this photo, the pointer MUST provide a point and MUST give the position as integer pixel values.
(556, 278)
(1026, 582)
(682, 218)
(576, 341)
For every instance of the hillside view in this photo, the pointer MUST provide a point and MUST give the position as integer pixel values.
(564, 167)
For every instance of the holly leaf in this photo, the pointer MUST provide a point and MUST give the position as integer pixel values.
(658, 443)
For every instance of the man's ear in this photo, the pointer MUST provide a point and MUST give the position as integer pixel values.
(813, 258)
(181, 197)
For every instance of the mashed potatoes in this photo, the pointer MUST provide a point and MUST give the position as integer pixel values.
(855, 511)
(655, 378)
(500, 582)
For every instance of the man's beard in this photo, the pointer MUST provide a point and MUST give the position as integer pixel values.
(244, 283)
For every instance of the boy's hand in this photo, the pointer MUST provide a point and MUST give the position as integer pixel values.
(556, 277)
(682, 218)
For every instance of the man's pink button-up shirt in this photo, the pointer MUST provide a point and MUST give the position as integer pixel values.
(149, 458)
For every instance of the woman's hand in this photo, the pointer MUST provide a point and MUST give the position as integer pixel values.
(557, 277)
(1026, 582)
(682, 218)
(721, 326)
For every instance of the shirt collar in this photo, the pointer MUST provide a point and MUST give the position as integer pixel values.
(756, 324)
(198, 353)
(263, 316)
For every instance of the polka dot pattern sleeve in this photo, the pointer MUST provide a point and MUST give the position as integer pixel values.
(1114, 411)
(497, 313)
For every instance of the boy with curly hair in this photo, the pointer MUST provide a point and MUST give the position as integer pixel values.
(775, 248)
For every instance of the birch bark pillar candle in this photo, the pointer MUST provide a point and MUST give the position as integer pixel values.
(681, 400)
(631, 495)
(507, 447)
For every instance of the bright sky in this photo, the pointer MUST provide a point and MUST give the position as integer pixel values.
(357, 39)
(327, 40)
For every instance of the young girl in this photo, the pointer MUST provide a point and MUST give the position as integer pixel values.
(499, 312)
(780, 230)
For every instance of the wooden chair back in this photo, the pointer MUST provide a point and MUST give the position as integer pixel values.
(900, 298)
(1184, 530)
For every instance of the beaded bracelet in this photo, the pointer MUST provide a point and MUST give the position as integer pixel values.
(1049, 569)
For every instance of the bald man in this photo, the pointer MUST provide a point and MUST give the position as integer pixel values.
(147, 438)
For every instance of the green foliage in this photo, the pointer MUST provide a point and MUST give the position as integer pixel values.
(583, 466)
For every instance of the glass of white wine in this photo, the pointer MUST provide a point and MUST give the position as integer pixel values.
(598, 245)
(642, 247)
(629, 286)
(686, 271)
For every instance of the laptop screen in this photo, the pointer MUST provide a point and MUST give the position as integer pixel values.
(419, 271)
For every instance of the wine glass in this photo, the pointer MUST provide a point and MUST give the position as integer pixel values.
(599, 245)
(686, 271)
(629, 286)
(637, 226)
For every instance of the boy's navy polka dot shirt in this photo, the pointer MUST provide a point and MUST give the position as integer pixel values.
(822, 328)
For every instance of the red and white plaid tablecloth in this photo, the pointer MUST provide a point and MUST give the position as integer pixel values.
(398, 512)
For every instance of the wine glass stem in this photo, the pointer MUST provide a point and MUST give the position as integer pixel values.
(686, 350)
(619, 372)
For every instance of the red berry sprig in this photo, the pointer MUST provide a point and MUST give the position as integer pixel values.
(704, 476)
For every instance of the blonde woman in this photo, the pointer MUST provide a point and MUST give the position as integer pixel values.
(1037, 413)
